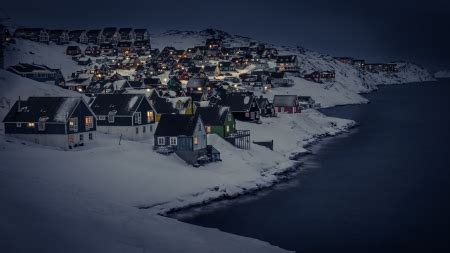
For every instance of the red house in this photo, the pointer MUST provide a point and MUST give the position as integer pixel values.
(286, 104)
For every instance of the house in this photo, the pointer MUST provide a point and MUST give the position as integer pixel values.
(287, 63)
(196, 72)
(107, 49)
(78, 36)
(226, 67)
(92, 51)
(279, 79)
(217, 120)
(73, 50)
(374, 67)
(184, 134)
(243, 105)
(125, 47)
(109, 35)
(79, 83)
(286, 104)
(152, 82)
(306, 102)
(266, 108)
(130, 116)
(40, 73)
(59, 36)
(142, 35)
(320, 76)
(126, 34)
(93, 36)
(213, 43)
(112, 86)
(197, 85)
(174, 84)
(64, 122)
(210, 71)
(360, 64)
(141, 47)
(345, 60)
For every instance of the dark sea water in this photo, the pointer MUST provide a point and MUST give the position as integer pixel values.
(384, 187)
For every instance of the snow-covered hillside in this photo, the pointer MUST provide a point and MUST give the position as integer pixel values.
(89, 200)
(442, 74)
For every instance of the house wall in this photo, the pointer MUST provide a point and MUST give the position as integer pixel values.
(200, 133)
(50, 128)
(81, 112)
(287, 109)
(129, 132)
(57, 140)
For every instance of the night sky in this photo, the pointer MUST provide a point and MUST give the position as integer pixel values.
(381, 30)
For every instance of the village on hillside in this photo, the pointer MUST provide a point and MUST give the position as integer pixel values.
(174, 97)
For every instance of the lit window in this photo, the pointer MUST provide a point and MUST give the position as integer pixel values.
(208, 129)
(30, 125)
(173, 141)
(195, 140)
(161, 141)
(228, 129)
(18, 124)
(89, 122)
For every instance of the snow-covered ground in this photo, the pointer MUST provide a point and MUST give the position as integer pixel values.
(442, 74)
(89, 200)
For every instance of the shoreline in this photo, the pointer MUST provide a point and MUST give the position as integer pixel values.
(285, 175)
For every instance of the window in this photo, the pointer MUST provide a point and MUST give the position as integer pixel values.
(151, 128)
(137, 118)
(208, 129)
(18, 124)
(89, 122)
(227, 129)
(137, 130)
(111, 118)
(81, 137)
(247, 114)
(41, 126)
(195, 140)
(161, 141)
(173, 141)
(143, 129)
(30, 125)
(91, 136)
(150, 116)
(73, 124)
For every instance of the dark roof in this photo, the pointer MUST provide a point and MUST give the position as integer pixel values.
(286, 58)
(122, 104)
(277, 74)
(238, 102)
(135, 84)
(55, 109)
(140, 30)
(197, 82)
(152, 81)
(176, 125)
(285, 100)
(262, 101)
(163, 106)
(95, 32)
(213, 116)
(25, 67)
(124, 31)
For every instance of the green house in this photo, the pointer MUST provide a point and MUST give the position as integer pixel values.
(217, 120)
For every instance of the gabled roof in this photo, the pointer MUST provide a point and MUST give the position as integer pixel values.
(213, 116)
(27, 68)
(285, 100)
(163, 106)
(121, 104)
(53, 109)
(176, 125)
(238, 102)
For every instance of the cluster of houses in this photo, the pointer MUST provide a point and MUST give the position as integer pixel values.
(371, 67)
(175, 97)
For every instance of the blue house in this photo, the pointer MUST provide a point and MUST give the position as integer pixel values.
(128, 115)
(40, 73)
(65, 122)
(185, 135)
